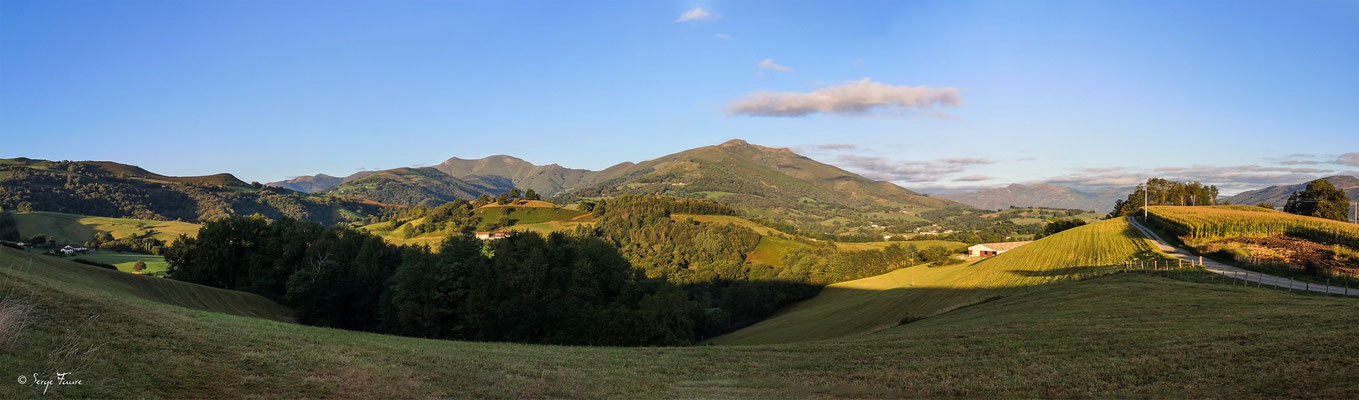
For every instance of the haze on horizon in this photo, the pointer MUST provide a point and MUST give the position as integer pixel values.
(934, 95)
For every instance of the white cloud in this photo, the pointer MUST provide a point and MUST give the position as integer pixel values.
(723, 36)
(696, 14)
(768, 64)
(857, 97)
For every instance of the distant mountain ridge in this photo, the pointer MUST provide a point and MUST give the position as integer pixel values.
(110, 189)
(1277, 196)
(1039, 195)
(769, 182)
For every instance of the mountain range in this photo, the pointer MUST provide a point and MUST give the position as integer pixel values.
(764, 180)
(1039, 195)
(1277, 196)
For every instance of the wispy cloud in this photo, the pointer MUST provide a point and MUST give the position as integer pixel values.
(851, 98)
(907, 171)
(1231, 179)
(971, 178)
(697, 15)
(1026, 159)
(768, 64)
(1351, 159)
(723, 36)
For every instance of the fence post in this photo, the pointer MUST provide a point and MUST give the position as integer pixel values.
(1290, 285)
(1328, 286)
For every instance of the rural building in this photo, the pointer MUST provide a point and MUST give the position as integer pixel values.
(991, 249)
(491, 236)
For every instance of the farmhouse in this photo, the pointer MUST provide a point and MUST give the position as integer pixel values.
(491, 236)
(991, 249)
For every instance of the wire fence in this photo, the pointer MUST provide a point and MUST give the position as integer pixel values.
(1196, 272)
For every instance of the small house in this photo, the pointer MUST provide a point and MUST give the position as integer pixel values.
(483, 235)
(991, 249)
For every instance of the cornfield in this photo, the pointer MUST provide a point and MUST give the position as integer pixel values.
(1219, 222)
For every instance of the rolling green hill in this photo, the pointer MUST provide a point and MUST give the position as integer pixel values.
(765, 182)
(76, 229)
(107, 189)
(424, 186)
(1119, 336)
(880, 302)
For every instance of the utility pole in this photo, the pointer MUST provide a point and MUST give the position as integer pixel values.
(1145, 202)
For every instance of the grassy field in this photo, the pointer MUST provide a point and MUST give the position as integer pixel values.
(155, 265)
(726, 219)
(875, 303)
(76, 229)
(524, 215)
(1120, 336)
(1233, 221)
(771, 248)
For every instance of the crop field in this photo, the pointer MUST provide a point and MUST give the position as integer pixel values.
(1107, 337)
(1216, 222)
(875, 303)
(76, 229)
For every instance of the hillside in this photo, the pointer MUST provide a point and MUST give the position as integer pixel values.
(1108, 337)
(107, 189)
(1277, 196)
(426, 186)
(1037, 195)
(765, 182)
(76, 229)
(546, 180)
(880, 302)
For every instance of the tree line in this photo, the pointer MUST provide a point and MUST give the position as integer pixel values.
(1162, 192)
(559, 289)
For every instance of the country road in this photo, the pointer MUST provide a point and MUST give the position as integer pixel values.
(1238, 273)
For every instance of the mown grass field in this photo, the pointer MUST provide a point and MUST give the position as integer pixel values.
(1120, 336)
(1214, 222)
(155, 265)
(876, 303)
(76, 229)
(523, 215)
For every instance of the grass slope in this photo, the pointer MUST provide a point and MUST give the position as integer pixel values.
(880, 302)
(1121, 336)
(45, 271)
(155, 265)
(75, 229)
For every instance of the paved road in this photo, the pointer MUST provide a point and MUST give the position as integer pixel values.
(1238, 273)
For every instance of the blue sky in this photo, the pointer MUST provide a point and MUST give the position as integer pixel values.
(931, 95)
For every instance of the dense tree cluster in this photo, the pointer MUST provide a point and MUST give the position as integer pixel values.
(560, 289)
(1162, 192)
(92, 189)
(1058, 225)
(9, 229)
(141, 242)
(1320, 199)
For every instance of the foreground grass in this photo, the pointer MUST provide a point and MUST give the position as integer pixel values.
(875, 303)
(1120, 336)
